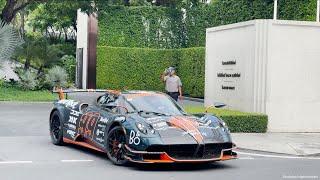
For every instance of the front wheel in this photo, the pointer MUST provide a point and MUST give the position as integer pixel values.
(56, 128)
(116, 140)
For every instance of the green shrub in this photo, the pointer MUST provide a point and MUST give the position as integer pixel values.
(57, 77)
(69, 64)
(144, 26)
(28, 80)
(169, 27)
(137, 68)
(191, 67)
(134, 68)
(236, 121)
(66, 48)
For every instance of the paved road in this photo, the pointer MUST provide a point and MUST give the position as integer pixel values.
(27, 153)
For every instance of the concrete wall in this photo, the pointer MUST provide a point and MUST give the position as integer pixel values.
(278, 63)
(82, 42)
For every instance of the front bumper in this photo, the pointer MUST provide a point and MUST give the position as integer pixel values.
(164, 157)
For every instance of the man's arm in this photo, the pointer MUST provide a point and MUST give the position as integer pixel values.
(180, 89)
(163, 77)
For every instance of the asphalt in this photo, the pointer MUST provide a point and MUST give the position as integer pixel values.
(27, 153)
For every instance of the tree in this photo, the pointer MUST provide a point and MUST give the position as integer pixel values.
(46, 55)
(12, 7)
(9, 40)
(27, 52)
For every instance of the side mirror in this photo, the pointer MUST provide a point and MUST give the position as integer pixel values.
(215, 105)
(219, 105)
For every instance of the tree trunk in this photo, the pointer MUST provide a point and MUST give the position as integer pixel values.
(27, 64)
(40, 71)
(8, 11)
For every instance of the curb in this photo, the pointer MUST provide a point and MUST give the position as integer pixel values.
(193, 99)
(270, 152)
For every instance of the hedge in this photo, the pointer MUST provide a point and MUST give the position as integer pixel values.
(237, 121)
(191, 67)
(146, 26)
(134, 68)
(140, 68)
(171, 27)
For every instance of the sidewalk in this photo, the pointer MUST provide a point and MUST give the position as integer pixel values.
(298, 144)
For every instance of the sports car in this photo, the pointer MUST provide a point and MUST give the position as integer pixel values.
(140, 127)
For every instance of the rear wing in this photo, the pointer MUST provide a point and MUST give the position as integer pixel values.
(63, 93)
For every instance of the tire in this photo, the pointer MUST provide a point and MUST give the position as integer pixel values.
(116, 140)
(56, 131)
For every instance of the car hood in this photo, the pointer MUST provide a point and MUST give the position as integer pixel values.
(189, 129)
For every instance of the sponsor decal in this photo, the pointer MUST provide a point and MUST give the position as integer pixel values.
(87, 124)
(72, 126)
(72, 120)
(71, 133)
(69, 103)
(204, 134)
(99, 139)
(120, 118)
(160, 125)
(101, 126)
(134, 138)
(104, 120)
(98, 132)
(74, 113)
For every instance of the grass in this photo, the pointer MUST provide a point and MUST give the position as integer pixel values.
(218, 112)
(236, 121)
(15, 94)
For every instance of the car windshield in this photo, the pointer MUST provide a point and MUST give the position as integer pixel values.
(154, 103)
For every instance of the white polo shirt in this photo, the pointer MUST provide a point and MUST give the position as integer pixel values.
(172, 83)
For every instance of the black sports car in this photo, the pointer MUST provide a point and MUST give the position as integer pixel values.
(140, 126)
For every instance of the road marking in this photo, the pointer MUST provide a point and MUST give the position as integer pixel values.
(15, 162)
(246, 158)
(76, 160)
(278, 156)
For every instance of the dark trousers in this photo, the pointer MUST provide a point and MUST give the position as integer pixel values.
(174, 95)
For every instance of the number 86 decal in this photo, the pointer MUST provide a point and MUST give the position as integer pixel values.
(134, 138)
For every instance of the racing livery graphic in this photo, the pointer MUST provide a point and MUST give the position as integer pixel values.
(140, 126)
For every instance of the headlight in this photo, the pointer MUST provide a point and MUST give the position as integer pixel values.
(142, 128)
(224, 125)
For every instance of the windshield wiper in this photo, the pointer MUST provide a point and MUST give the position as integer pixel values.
(153, 112)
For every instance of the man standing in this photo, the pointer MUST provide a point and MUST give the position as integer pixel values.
(173, 83)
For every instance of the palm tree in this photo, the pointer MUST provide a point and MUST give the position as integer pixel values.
(9, 40)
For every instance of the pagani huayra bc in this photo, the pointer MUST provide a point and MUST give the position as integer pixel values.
(141, 127)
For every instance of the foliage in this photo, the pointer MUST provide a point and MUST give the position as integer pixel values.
(2, 81)
(16, 94)
(11, 8)
(184, 24)
(9, 40)
(236, 121)
(65, 48)
(69, 64)
(134, 68)
(191, 67)
(56, 19)
(38, 52)
(137, 68)
(153, 27)
(28, 80)
(57, 77)
(304, 10)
